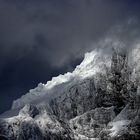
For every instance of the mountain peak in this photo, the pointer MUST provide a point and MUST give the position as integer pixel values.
(92, 63)
(98, 100)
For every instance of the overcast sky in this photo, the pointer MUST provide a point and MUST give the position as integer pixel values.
(40, 39)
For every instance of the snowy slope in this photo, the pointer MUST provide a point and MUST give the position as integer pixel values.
(92, 63)
(33, 123)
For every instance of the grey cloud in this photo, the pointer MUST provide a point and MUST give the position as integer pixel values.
(66, 26)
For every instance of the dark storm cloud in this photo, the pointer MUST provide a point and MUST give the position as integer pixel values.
(42, 38)
(65, 26)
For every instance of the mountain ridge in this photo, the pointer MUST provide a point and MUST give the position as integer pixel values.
(98, 101)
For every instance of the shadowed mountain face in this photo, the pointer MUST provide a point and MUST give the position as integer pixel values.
(100, 100)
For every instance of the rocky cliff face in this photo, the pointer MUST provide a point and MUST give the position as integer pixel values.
(101, 106)
(79, 99)
(35, 124)
(91, 123)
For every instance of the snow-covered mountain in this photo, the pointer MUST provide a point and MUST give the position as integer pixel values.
(98, 100)
(93, 62)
